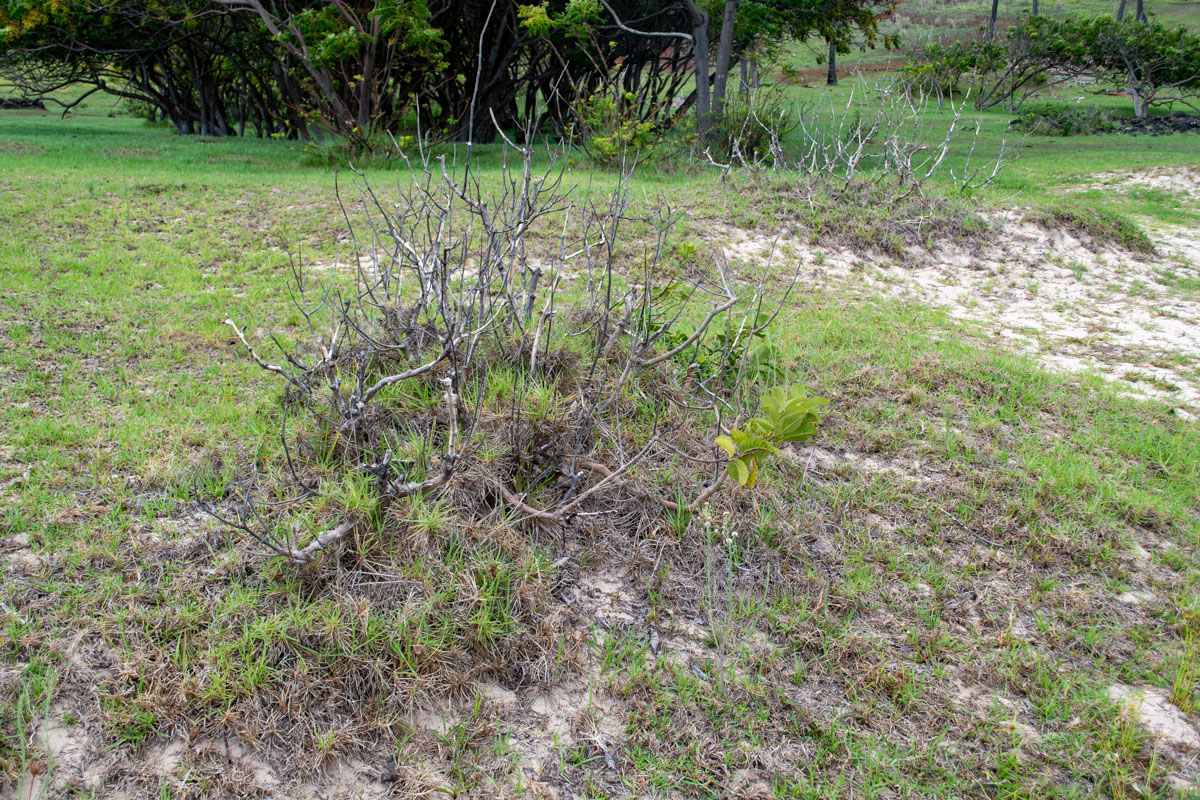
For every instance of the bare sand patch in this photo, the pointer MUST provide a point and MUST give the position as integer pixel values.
(1157, 716)
(1074, 304)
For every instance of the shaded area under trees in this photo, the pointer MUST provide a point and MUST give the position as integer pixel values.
(362, 69)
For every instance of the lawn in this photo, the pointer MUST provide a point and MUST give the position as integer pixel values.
(943, 595)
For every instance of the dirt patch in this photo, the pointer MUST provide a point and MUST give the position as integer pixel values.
(21, 148)
(1157, 716)
(989, 703)
(1183, 181)
(823, 460)
(1075, 304)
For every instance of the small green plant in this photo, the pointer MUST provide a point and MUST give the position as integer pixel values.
(1187, 675)
(326, 740)
(612, 125)
(787, 414)
(129, 722)
(717, 354)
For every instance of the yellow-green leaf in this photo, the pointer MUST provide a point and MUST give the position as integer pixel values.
(739, 471)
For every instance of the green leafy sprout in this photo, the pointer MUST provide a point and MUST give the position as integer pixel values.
(786, 414)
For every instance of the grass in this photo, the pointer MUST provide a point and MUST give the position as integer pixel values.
(1098, 224)
(934, 614)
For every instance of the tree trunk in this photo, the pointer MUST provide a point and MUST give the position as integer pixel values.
(1140, 106)
(991, 30)
(1121, 11)
(182, 123)
(744, 77)
(364, 115)
(724, 53)
(700, 52)
(1035, 8)
(1141, 12)
(832, 78)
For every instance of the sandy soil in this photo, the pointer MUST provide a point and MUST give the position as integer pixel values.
(1075, 305)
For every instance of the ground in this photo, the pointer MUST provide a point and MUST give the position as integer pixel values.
(980, 580)
(1131, 316)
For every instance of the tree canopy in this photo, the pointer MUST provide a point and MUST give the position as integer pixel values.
(362, 68)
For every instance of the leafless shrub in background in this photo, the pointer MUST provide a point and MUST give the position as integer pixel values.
(884, 131)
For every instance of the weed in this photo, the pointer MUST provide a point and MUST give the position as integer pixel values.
(1185, 683)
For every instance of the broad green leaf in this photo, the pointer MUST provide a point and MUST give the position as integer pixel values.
(739, 471)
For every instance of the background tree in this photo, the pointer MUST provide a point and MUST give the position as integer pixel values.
(758, 25)
(361, 63)
(1151, 61)
(761, 25)
(724, 55)
(359, 69)
(206, 71)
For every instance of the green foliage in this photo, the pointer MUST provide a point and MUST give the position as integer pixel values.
(1006, 70)
(1144, 58)
(610, 129)
(330, 40)
(1056, 118)
(576, 19)
(767, 23)
(786, 414)
(536, 19)
(942, 66)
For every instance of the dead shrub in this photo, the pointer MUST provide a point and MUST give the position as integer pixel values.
(487, 382)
